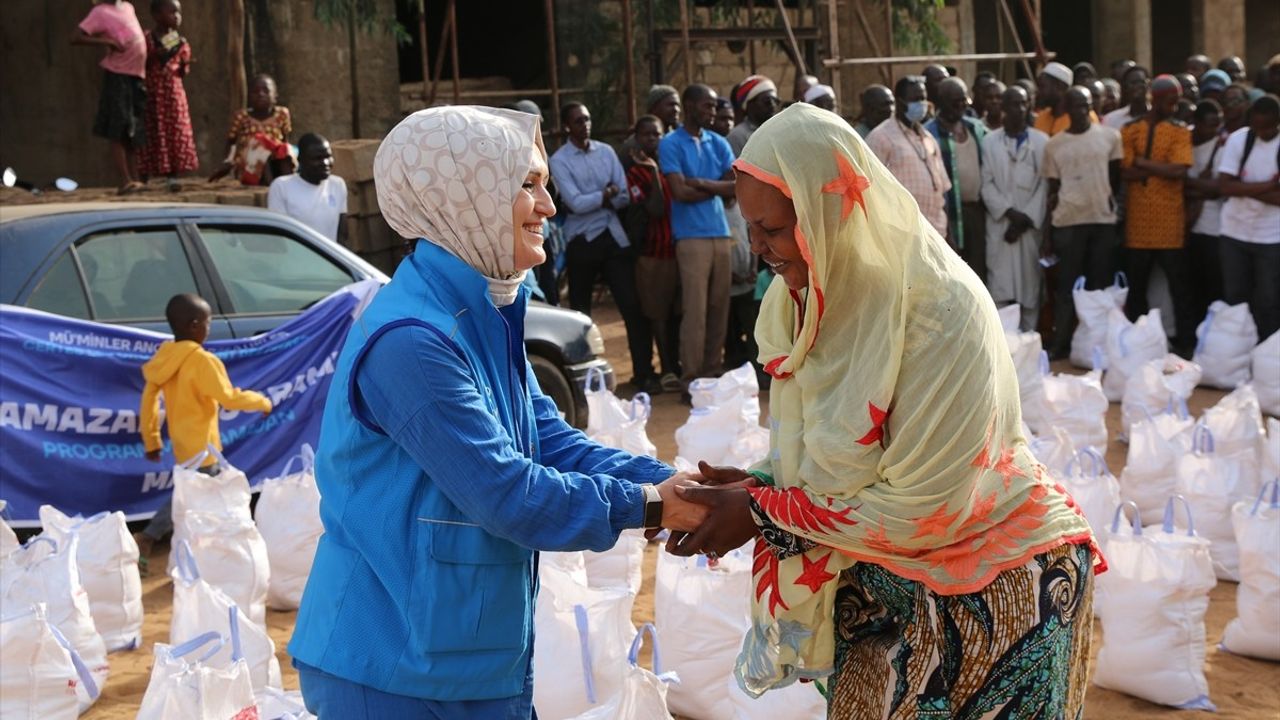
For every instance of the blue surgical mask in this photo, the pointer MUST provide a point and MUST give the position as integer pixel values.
(917, 110)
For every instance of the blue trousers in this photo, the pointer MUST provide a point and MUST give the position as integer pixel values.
(332, 698)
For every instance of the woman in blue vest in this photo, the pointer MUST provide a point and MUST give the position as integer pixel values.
(442, 465)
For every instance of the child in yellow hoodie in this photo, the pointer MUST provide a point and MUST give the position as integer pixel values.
(195, 383)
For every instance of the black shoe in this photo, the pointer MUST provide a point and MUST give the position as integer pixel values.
(686, 398)
(651, 385)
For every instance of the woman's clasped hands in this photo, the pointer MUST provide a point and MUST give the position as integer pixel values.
(708, 512)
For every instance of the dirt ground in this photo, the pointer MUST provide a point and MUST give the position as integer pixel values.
(1241, 687)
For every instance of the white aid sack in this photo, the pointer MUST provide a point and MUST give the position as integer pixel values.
(1224, 341)
(703, 612)
(1255, 631)
(1266, 374)
(797, 701)
(44, 571)
(1031, 364)
(199, 607)
(738, 384)
(107, 558)
(233, 558)
(1271, 450)
(1213, 484)
(183, 684)
(1092, 309)
(1150, 471)
(621, 566)
(1095, 491)
(8, 538)
(1128, 346)
(1055, 450)
(40, 672)
(1157, 594)
(581, 637)
(1077, 405)
(276, 704)
(226, 492)
(614, 422)
(644, 693)
(288, 518)
(1158, 386)
(1236, 423)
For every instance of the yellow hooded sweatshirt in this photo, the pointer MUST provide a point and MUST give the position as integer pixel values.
(195, 383)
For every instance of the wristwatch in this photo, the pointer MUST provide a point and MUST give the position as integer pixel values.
(652, 507)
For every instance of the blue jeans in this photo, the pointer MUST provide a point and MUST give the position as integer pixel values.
(328, 697)
(161, 524)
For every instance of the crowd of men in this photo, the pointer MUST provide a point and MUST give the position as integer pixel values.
(1087, 175)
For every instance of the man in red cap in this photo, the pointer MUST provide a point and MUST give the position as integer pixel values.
(1157, 154)
(758, 97)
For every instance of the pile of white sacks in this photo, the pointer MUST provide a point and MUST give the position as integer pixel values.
(1197, 501)
(73, 593)
(586, 648)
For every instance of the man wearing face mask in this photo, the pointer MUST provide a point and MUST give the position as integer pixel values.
(912, 154)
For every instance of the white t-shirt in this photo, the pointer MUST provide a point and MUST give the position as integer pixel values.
(316, 206)
(1117, 119)
(1081, 162)
(1246, 219)
(1211, 211)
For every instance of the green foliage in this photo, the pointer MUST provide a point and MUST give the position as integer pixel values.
(365, 15)
(916, 27)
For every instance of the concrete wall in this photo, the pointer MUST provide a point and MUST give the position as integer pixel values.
(1218, 27)
(1121, 29)
(51, 88)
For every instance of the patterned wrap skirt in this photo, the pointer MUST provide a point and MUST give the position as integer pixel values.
(1017, 649)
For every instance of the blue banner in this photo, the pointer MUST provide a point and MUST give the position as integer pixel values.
(70, 392)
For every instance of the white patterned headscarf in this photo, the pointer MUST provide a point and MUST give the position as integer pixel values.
(449, 175)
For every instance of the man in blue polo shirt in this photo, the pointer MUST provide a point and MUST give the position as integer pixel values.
(698, 165)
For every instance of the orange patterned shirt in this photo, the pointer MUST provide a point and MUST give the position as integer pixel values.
(1154, 214)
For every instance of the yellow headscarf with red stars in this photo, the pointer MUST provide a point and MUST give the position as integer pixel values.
(895, 420)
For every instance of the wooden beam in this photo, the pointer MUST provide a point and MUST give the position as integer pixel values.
(453, 51)
(439, 70)
(885, 73)
(422, 40)
(553, 64)
(833, 45)
(630, 76)
(791, 38)
(1017, 41)
(924, 59)
(684, 42)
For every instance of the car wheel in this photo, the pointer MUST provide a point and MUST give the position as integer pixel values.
(556, 386)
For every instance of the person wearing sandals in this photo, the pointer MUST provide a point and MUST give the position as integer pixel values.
(113, 24)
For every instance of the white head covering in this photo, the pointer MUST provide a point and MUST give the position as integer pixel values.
(818, 91)
(1059, 72)
(449, 175)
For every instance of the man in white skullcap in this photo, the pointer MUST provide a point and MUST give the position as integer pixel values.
(1051, 98)
(823, 96)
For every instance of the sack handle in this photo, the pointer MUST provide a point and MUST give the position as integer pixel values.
(1202, 439)
(1179, 408)
(1099, 358)
(1124, 346)
(1168, 516)
(217, 455)
(185, 562)
(641, 406)
(1078, 284)
(233, 620)
(594, 373)
(194, 462)
(633, 655)
(305, 455)
(41, 538)
(1096, 461)
(1274, 486)
(198, 642)
(1120, 279)
(82, 670)
(580, 619)
(1044, 362)
(1136, 523)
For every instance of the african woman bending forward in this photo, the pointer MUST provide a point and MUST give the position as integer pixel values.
(909, 550)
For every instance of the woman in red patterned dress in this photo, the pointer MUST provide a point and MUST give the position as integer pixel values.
(171, 145)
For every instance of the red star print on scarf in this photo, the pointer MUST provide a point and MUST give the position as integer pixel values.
(765, 566)
(935, 524)
(876, 433)
(849, 185)
(792, 507)
(815, 574)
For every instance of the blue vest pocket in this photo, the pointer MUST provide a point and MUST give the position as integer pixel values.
(476, 590)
